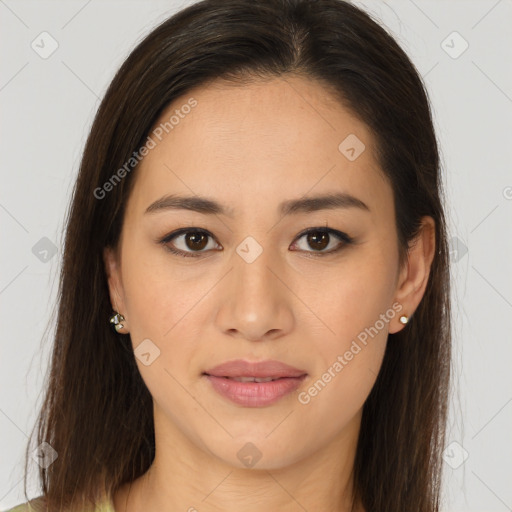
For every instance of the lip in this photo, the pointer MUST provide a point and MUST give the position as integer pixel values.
(259, 369)
(254, 394)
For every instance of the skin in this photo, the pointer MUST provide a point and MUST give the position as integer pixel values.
(250, 147)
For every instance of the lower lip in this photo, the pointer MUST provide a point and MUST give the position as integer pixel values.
(254, 394)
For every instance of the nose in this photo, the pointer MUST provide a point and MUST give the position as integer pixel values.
(256, 303)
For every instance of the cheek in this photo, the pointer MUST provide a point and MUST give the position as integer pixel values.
(161, 309)
(167, 310)
(353, 296)
(158, 300)
(347, 363)
(356, 306)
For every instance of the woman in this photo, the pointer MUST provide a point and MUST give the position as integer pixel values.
(258, 215)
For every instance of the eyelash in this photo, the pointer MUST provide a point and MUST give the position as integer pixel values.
(346, 239)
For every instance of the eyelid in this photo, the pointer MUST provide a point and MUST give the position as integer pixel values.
(343, 237)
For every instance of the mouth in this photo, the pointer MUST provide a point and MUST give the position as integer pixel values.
(254, 385)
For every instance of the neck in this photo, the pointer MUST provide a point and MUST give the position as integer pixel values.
(184, 477)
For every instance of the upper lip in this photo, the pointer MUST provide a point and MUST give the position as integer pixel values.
(261, 369)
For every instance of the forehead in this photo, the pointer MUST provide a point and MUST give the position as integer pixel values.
(259, 142)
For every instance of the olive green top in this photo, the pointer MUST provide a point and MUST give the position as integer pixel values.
(37, 505)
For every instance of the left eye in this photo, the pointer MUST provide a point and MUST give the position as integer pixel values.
(319, 238)
(197, 241)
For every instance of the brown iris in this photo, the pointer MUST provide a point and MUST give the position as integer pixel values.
(318, 239)
(196, 240)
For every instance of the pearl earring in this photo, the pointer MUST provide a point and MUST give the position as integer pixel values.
(404, 319)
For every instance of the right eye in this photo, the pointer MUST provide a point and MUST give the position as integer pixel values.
(191, 238)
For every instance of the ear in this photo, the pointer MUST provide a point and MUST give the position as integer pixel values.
(414, 275)
(115, 284)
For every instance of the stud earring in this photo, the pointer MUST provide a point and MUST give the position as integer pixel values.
(116, 321)
(404, 319)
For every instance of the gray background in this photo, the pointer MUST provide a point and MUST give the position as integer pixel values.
(47, 106)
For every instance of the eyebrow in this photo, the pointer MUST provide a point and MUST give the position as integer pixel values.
(209, 206)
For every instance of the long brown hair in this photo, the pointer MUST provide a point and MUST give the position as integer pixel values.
(97, 412)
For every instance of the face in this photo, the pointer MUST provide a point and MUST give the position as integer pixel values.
(248, 283)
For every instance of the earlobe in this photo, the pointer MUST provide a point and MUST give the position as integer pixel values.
(414, 277)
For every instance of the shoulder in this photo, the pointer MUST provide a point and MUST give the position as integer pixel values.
(35, 505)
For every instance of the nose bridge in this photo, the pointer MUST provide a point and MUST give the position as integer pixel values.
(252, 263)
